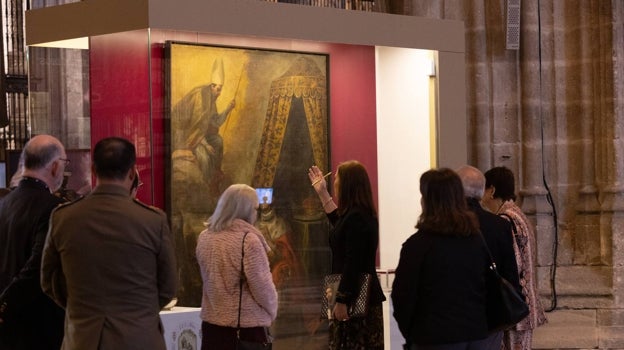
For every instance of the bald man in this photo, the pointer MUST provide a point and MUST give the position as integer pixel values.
(28, 318)
(497, 233)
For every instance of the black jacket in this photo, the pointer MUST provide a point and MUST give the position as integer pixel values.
(31, 319)
(353, 241)
(499, 238)
(439, 290)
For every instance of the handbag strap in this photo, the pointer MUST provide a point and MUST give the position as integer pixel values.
(492, 262)
(240, 287)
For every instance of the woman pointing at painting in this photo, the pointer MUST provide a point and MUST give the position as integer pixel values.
(353, 239)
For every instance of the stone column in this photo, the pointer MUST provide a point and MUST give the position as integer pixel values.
(478, 88)
(612, 133)
(610, 170)
(582, 109)
(537, 130)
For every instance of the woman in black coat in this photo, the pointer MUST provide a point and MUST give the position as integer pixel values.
(439, 289)
(354, 238)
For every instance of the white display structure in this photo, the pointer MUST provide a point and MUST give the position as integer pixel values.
(420, 81)
(181, 328)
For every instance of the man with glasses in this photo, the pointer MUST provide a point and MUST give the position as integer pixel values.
(28, 318)
(136, 184)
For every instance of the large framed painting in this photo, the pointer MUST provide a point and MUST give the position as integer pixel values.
(259, 117)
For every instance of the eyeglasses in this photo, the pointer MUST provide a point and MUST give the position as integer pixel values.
(65, 160)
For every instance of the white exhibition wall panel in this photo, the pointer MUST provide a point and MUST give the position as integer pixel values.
(403, 142)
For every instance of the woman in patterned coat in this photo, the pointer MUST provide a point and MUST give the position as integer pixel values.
(499, 198)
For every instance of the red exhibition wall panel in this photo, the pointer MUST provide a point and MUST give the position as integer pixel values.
(121, 105)
(158, 126)
(353, 107)
(120, 98)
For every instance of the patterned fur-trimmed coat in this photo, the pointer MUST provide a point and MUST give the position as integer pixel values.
(525, 248)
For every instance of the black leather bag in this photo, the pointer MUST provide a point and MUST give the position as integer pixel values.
(357, 308)
(504, 305)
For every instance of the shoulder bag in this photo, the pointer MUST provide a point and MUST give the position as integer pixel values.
(246, 344)
(357, 308)
(504, 305)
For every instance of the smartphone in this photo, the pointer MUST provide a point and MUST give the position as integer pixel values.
(265, 195)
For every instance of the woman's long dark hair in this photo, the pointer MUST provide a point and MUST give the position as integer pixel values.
(354, 188)
(444, 208)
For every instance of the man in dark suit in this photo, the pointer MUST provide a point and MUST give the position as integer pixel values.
(109, 260)
(497, 233)
(28, 318)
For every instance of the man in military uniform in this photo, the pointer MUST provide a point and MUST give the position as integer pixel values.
(109, 260)
(28, 318)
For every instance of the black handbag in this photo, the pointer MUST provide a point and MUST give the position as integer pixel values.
(504, 305)
(246, 344)
(357, 308)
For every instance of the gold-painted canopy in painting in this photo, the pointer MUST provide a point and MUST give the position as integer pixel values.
(303, 80)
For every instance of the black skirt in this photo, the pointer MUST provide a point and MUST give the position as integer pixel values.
(224, 338)
(366, 333)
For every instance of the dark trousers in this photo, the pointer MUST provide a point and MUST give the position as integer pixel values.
(224, 338)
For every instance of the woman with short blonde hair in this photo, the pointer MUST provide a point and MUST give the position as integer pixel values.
(229, 241)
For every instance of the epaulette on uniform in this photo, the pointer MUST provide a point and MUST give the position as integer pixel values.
(67, 204)
(150, 207)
